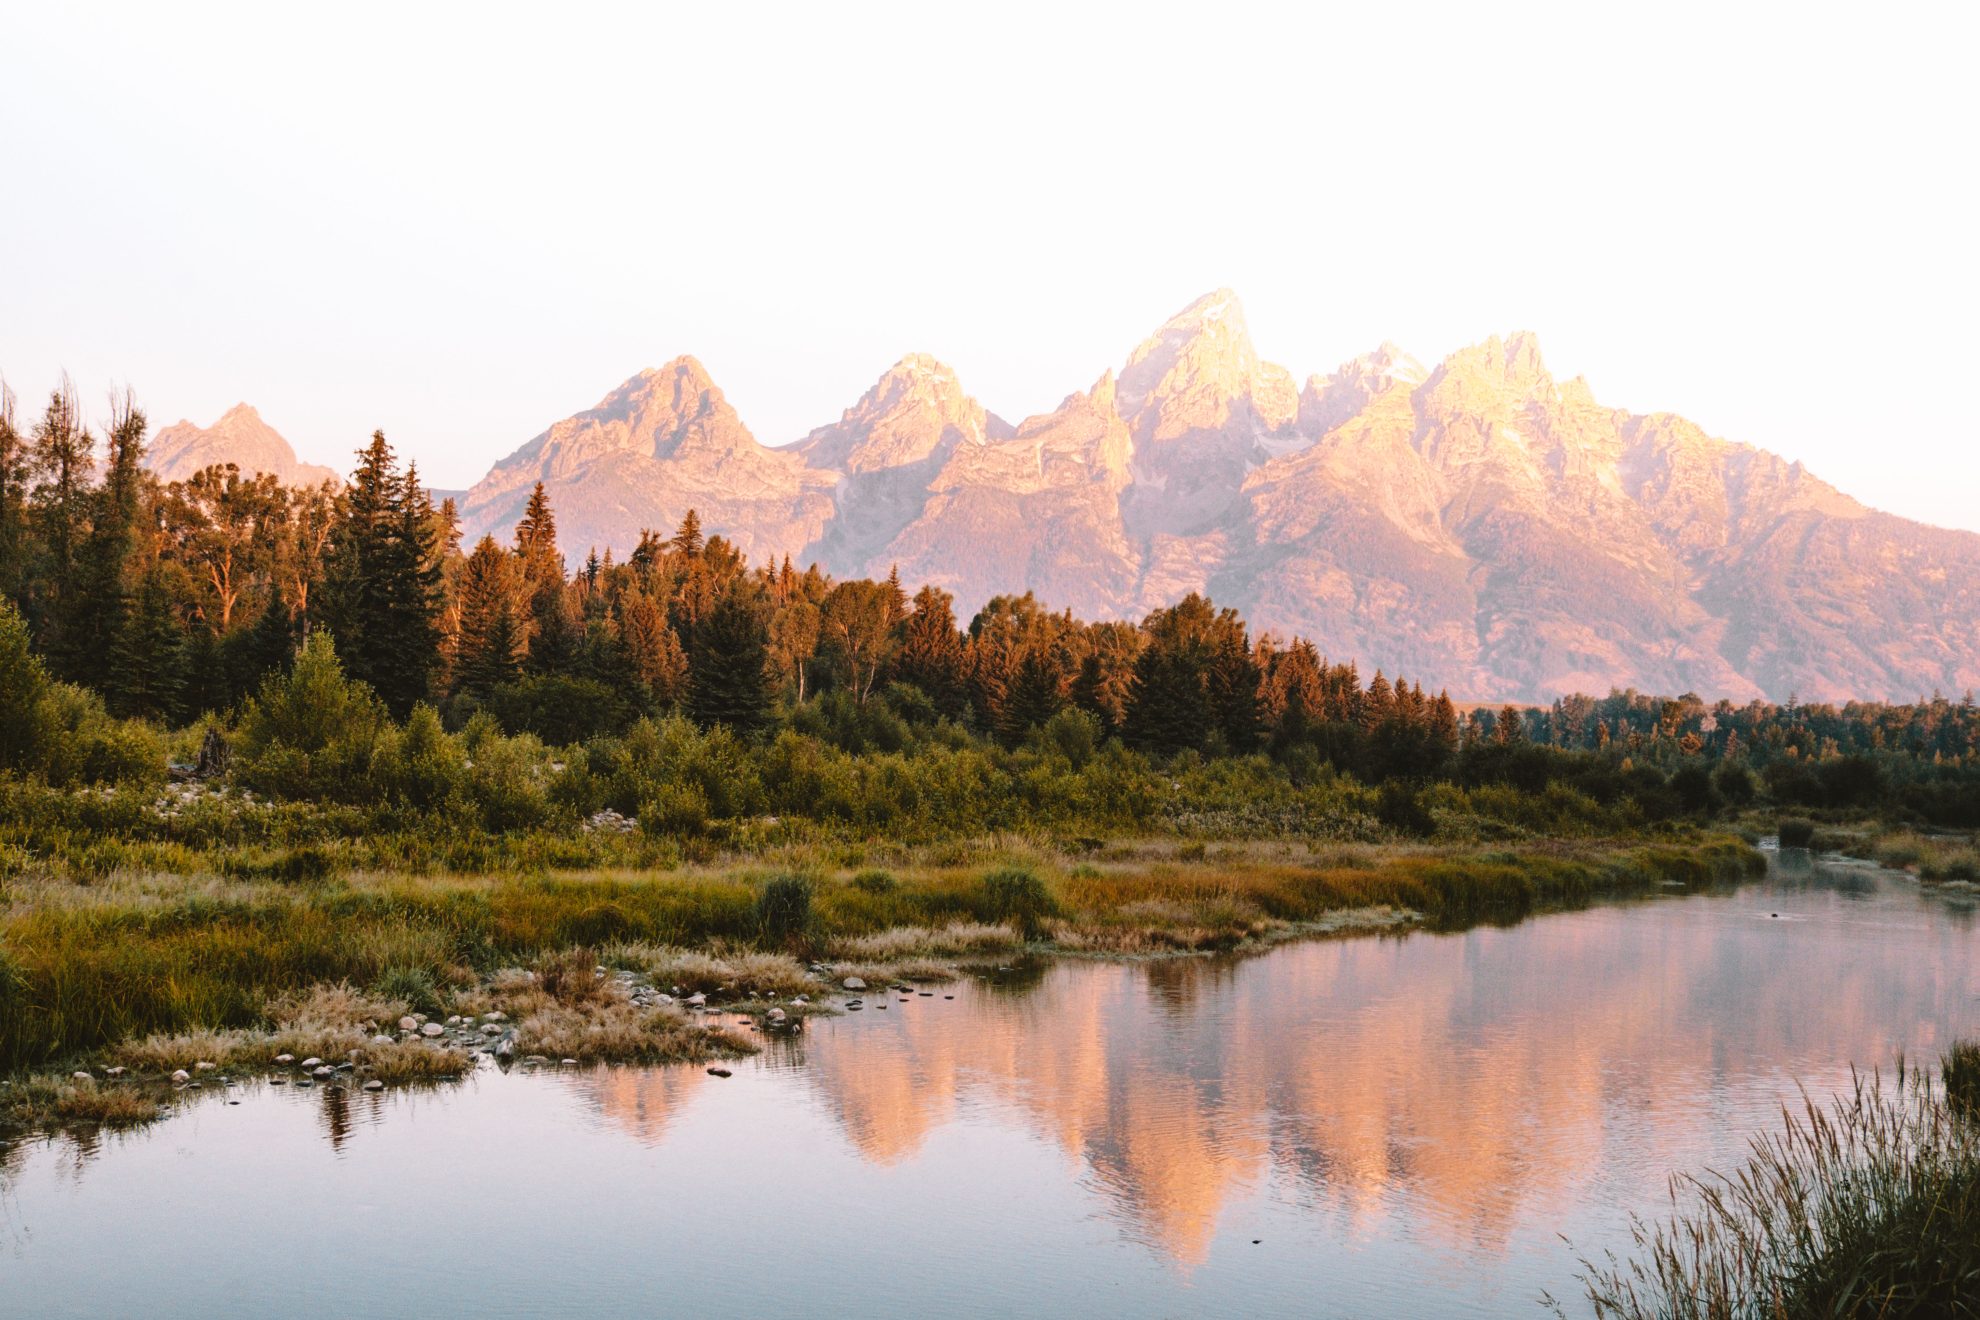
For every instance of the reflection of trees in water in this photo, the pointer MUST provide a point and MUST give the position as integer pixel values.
(334, 1112)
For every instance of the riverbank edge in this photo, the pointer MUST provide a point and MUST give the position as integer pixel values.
(1155, 912)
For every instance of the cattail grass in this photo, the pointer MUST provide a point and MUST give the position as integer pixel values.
(1869, 1205)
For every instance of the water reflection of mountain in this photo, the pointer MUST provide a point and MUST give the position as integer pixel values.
(1481, 1077)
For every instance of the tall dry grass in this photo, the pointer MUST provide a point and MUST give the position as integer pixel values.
(1867, 1206)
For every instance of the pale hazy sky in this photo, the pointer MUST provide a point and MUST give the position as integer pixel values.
(462, 223)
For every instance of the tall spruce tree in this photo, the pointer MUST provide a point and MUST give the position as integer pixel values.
(146, 669)
(728, 670)
(384, 581)
(931, 655)
(269, 646)
(493, 629)
(103, 599)
(60, 462)
(1034, 697)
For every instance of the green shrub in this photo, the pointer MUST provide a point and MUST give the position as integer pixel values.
(783, 910)
(506, 779)
(1072, 733)
(676, 810)
(422, 765)
(415, 987)
(1952, 864)
(1734, 782)
(876, 882)
(559, 709)
(311, 732)
(1796, 832)
(1015, 894)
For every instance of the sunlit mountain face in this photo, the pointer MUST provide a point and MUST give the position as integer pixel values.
(1478, 523)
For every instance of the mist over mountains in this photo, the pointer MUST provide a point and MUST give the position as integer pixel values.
(1477, 525)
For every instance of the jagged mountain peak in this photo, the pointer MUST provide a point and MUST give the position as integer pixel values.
(1513, 361)
(1329, 400)
(917, 377)
(1205, 345)
(916, 411)
(1478, 525)
(239, 436)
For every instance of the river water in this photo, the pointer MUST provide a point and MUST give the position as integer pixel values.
(1401, 1125)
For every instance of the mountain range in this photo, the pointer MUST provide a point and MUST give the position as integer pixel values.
(1476, 525)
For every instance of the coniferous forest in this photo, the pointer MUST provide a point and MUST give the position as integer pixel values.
(169, 606)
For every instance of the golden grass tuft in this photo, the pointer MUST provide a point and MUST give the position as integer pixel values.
(955, 940)
(618, 1032)
(744, 973)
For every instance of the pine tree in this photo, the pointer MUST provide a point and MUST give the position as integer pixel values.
(931, 652)
(146, 657)
(385, 577)
(103, 596)
(728, 680)
(1034, 696)
(555, 634)
(1298, 695)
(60, 462)
(1232, 689)
(654, 653)
(493, 634)
(270, 644)
(688, 540)
(1166, 713)
(536, 531)
(1507, 729)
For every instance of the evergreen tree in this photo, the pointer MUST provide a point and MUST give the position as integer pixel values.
(270, 645)
(1298, 695)
(102, 602)
(688, 541)
(1232, 688)
(385, 578)
(728, 680)
(658, 663)
(1175, 704)
(536, 532)
(493, 632)
(60, 462)
(1167, 713)
(146, 656)
(1034, 696)
(931, 652)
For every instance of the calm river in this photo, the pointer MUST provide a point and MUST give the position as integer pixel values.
(1360, 1127)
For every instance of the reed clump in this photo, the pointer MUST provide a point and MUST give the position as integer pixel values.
(1869, 1205)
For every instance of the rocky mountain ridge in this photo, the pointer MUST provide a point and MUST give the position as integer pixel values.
(1477, 525)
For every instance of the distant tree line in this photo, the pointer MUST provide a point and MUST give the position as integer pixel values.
(176, 600)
